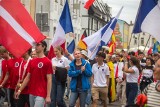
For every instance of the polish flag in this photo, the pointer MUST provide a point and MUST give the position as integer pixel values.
(88, 3)
(18, 32)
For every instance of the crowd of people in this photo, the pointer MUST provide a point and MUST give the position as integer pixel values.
(36, 81)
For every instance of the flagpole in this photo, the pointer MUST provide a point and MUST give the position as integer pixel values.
(129, 42)
(147, 43)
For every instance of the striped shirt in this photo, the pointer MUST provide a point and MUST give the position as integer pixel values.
(153, 96)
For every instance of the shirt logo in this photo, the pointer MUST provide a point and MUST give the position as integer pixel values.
(60, 61)
(16, 64)
(40, 65)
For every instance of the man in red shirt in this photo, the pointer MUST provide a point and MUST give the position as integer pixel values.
(6, 57)
(11, 76)
(24, 97)
(39, 77)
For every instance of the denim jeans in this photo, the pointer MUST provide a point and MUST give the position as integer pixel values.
(88, 98)
(74, 96)
(131, 92)
(68, 86)
(57, 93)
(36, 101)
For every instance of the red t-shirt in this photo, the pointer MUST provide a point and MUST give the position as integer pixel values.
(13, 69)
(4, 71)
(23, 74)
(39, 68)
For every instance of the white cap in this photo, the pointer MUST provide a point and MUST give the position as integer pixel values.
(84, 52)
(113, 56)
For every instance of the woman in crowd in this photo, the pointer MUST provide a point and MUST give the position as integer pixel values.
(132, 74)
(60, 66)
(147, 73)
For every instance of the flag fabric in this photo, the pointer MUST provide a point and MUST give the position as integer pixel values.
(18, 32)
(71, 47)
(101, 37)
(51, 53)
(81, 43)
(112, 44)
(113, 85)
(149, 51)
(88, 3)
(64, 26)
(116, 75)
(148, 18)
(156, 47)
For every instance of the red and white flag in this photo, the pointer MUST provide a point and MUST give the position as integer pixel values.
(88, 3)
(18, 32)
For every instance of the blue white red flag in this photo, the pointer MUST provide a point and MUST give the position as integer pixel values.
(64, 26)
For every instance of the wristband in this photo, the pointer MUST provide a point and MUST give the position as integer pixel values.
(19, 91)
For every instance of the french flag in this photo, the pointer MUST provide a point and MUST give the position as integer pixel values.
(101, 37)
(88, 3)
(148, 18)
(64, 26)
(18, 32)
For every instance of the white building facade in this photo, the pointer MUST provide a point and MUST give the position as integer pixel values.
(46, 15)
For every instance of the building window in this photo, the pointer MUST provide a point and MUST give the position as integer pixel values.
(142, 41)
(56, 1)
(135, 40)
(95, 25)
(54, 30)
(42, 21)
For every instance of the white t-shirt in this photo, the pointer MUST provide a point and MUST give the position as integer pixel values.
(133, 77)
(147, 73)
(61, 62)
(100, 73)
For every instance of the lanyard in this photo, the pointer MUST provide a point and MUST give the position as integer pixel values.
(25, 67)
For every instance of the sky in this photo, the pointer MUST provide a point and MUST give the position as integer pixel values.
(129, 11)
